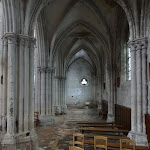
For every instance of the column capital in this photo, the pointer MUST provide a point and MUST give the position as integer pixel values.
(132, 45)
(50, 70)
(10, 37)
(42, 69)
(138, 43)
(26, 40)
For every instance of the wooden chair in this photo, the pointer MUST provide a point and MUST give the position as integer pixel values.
(75, 148)
(36, 118)
(102, 144)
(76, 141)
(126, 144)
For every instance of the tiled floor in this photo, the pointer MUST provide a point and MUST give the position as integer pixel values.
(59, 136)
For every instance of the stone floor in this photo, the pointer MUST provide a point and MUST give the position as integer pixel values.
(59, 136)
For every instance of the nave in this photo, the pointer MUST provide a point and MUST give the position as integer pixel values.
(58, 54)
(60, 136)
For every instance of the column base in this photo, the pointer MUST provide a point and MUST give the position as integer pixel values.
(8, 139)
(110, 117)
(64, 109)
(132, 135)
(28, 140)
(139, 138)
(57, 110)
(46, 120)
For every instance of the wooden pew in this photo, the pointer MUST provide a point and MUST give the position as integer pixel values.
(103, 130)
(96, 123)
(114, 145)
(101, 125)
(111, 137)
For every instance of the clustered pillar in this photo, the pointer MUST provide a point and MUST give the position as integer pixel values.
(138, 90)
(18, 88)
(44, 101)
(60, 103)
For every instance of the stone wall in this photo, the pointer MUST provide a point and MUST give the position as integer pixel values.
(124, 94)
(77, 94)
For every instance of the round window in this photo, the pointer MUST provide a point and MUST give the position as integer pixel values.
(84, 82)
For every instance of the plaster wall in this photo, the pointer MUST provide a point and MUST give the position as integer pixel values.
(124, 94)
(76, 93)
(124, 90)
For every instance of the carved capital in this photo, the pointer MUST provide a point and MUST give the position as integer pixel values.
(22, 41)
(41, 69)
(27, 42)
(138, 44)
(132, 45)
(144, 44)
(11, 38)
(51, 70)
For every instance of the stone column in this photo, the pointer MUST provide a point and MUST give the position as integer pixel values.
(141, 137)
(110, 115)
(64, 106)
(99, 92)
(57, 95)
(4, 91)
(31, 85)
(144, 82)
(21, 83)
(45, 118)
(9, 137)
(61, 94)
(39, 90)
(26, 84)
(138, 91)
(53, 90)
(20, 94)
(133, 91)
(47, 91)
(43, 93)
(139, 86)
(50, 91)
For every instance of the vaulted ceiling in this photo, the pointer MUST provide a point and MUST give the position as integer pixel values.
(92, 25)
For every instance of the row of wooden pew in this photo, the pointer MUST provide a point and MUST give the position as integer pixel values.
(99, 142)
(108, 131)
